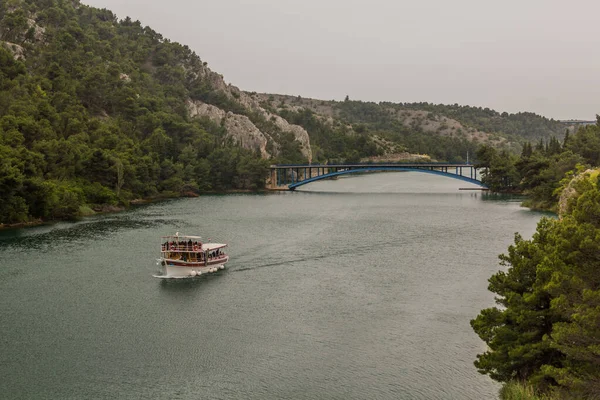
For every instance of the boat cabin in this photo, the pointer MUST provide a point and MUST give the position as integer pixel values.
(191, 249)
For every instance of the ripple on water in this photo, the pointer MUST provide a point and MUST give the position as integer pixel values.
(340, 295)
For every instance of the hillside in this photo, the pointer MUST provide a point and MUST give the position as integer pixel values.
(96, 113)
(449, 124)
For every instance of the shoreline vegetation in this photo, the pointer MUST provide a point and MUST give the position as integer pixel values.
(543, 169)
(96, 209)
(544, 335)
(99, 209)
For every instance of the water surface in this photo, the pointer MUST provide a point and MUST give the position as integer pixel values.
(357, 288)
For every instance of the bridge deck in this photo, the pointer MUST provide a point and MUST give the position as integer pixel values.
(294, 175)
(359, 165)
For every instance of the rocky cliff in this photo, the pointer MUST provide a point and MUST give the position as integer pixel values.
(239, 127)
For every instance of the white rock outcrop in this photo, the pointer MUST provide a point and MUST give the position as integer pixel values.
(38, 31)
(300, 134)
(239, 127)
(17, 51)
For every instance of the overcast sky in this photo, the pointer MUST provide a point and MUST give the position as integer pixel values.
(510, 55)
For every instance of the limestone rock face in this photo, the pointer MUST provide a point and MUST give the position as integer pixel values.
(38, 31)
(17, 51)
(200, 109)
(300, 134)
(245, 133)
(239, 127)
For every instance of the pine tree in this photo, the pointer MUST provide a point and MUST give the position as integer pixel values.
(566, 140)
(547, 330)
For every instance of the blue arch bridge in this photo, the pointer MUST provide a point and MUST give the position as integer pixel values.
(289, 177)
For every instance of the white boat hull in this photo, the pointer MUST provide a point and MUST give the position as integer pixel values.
(171, 271)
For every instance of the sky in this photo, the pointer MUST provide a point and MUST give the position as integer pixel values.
(511, 55)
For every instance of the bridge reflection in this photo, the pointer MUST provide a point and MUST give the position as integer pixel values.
(289, 177)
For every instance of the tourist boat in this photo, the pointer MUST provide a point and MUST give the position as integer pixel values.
(183, 256)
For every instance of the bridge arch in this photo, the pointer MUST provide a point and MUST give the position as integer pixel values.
(297, 184)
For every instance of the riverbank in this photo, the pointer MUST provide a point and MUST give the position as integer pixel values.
(95, 209)
(21, 224)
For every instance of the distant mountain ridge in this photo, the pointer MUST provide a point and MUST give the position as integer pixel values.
(414, 127)
(475, 123)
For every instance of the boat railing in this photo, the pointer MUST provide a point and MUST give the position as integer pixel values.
(182, 248)
(196, 248)
(199, 255)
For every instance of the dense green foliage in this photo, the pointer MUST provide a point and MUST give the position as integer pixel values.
(346, 129)
(350, 137)
(539, 170)
(372, 117)
(332, 142)
(518, 391)
(546, 331)
(96, 114)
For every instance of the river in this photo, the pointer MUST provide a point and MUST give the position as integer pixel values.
(358, 288)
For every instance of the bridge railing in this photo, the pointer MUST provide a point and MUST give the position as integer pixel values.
(290, 175)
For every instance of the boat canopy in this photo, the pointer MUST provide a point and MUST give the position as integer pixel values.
(213, 246)
(181, 237)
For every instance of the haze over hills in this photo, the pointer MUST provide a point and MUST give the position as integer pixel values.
(97, 111)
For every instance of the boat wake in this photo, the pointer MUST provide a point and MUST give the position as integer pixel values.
(351, 251)
(279, 263)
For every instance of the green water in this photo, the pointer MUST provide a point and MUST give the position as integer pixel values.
(359, 288)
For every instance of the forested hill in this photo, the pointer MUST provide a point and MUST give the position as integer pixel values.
(523, 124)
(401, 120)
(96, 112)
